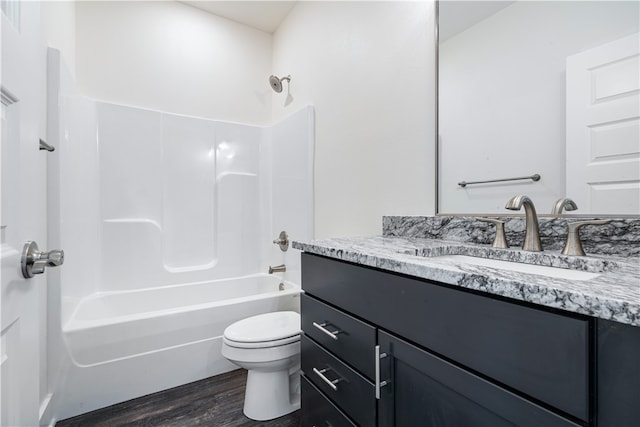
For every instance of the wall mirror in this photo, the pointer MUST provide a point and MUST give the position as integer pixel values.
(539, 87)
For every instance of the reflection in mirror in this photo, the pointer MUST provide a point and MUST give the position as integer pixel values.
(539, 87)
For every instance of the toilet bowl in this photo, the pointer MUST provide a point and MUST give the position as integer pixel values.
(268, 347)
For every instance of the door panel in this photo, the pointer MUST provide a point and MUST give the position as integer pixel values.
(603, 127)
(22, 213)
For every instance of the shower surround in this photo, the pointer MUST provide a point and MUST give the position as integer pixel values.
(167, 223)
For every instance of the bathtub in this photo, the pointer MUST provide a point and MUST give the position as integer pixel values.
(114, 325)
(126, 344)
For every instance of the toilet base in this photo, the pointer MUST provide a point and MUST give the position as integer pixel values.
(271, 395)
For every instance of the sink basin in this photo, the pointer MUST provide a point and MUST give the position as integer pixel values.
(555, 272)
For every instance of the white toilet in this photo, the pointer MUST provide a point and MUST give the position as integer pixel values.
(268, 346)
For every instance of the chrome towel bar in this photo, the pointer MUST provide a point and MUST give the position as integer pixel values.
(535, 177)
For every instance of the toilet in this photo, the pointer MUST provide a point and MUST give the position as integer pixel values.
(268, 347)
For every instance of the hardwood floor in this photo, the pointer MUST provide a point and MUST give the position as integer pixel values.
(215, 401)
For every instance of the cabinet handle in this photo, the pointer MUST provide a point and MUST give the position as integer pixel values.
(379, 384)
(321, 326)
(333, 384)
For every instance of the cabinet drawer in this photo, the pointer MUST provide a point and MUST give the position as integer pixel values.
(354, 340)
(317, 410)
(353, 393)
(535, 351)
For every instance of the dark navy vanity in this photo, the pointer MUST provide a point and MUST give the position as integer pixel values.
(386, 348)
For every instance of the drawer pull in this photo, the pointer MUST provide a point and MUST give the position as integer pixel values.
(333, 384)
(379, 384)
(321, 326)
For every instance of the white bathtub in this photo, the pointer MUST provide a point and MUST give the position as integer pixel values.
(114, 325)
(122, 345)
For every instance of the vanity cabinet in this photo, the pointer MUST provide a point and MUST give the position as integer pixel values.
(436, 355)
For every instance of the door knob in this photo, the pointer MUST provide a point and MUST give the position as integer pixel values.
(34, 261)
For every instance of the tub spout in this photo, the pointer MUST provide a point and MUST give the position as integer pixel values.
(277, 269)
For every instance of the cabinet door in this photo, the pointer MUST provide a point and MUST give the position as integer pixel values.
(424, 390)
(618, 384)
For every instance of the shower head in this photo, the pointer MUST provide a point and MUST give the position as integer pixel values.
(276, 83)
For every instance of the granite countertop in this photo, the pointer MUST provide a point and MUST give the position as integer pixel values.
(613, 293)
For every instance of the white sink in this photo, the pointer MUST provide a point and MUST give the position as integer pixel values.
(555, 272)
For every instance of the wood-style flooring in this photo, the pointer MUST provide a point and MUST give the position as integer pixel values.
(215, 401)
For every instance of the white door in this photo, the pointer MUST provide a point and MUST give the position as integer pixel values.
(22, 214)
(603, 128)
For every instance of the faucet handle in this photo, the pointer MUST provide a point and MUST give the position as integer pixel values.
(500, 240)
(574, 245)
(282, 241)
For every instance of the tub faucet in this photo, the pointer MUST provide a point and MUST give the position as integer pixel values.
(277, 269)
(532, 233)
(566, 204)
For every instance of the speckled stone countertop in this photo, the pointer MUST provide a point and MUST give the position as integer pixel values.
(611, 292)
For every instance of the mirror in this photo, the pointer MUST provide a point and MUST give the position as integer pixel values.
(539, 87)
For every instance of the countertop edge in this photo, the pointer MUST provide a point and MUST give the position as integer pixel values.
(586, 298)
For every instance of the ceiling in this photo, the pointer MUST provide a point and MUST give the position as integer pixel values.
(457, 16)
(263, 15)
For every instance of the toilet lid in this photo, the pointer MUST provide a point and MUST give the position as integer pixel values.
(261, 344)
(265, 327)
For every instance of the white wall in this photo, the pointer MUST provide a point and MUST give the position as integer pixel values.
(502, 99)
(59, 25)
(171, 57)
(368, 69)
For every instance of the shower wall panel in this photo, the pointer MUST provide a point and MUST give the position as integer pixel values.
(188, 199)
(152, 199)
(72, 182)
(180, 198)
(130, 163)
(292, 145)
(238, 180)
(130, 150)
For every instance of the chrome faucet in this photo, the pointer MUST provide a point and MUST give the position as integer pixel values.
(532, 233)
(566, 204)
(277, 269)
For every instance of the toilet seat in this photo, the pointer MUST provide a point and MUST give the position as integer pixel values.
(264, 330)
(261, 344)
